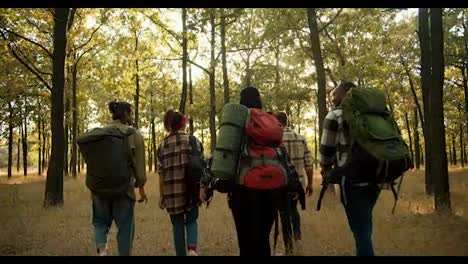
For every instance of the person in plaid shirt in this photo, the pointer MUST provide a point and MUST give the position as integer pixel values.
(361, 198)
(174, 155)
(299, 154)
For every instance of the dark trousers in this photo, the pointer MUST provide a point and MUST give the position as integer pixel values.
(120, 210)
(290, 221)
(359, 208)
(254, 212)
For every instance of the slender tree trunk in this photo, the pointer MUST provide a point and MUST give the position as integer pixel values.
(67, 129)
(39, 165)
(425, 44)
(223, 57)
(318, 61)
(10, 138)
(462, 154)
(150, 151)
(78, 155)
(413, 91)
(54, 182)
(183, 97)
(417, 146)
(44, 136)
(137, 83)
(191, 128)
(153, 142)
(25, 140)
(409, 137)
(74, 119)
(212, 86)
(438, 150)
(19, 151)
(454, 150)
(450, 154)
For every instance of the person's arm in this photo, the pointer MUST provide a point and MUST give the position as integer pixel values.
(327, 147)
(138, 154)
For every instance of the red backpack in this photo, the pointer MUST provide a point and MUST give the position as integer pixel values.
(260, 166)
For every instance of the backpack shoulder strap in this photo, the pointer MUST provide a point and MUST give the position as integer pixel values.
(194, 145)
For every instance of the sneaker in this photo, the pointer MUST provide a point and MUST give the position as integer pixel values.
(192, 252)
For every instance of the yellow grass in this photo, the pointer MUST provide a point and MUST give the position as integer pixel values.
(28, 229)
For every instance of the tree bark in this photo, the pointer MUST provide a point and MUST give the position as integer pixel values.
(223, 57)
(44, 136)
(212, 85)
(24, 139)
(183, 97)
(417, 146)
(318, 62)
(39, 165)
(74, 119)
(10, 138)
(67, 127)
(409, 137)
(191, 128)
(462, 154)
(54, 182)
(153, 142)
(413, 92)
(454, 150)
(137, 83)
(450, 154)
(438, 150)
(78, 155)
(425, 44)
(18, 153)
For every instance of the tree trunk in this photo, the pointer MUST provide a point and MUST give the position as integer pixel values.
(450, 154)
(150, 158)
(191, 128)
(425, 44)
(465, 87)
(413, 92)
(409, 138)
(10, 138)
(44, 136)
(438, 150)
(462, 154)
(25, 140)
(223, 57)
(19, 151)
(39, 167)
(298, 116)
(137, 82)
(318, 62)
(78, 155)
(212, 86)
(74, 119)
(454, 150)
(153, 142)
(67, 129)
(54, 182)
(183, 97)
(417, 146)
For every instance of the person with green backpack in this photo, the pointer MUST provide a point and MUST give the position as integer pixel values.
(115, 166)
(362, 150)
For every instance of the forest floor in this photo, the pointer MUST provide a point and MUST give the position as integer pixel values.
(414, 230)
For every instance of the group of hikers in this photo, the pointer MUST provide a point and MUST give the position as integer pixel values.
(263, 165)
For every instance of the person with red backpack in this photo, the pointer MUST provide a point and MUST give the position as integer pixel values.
(177, 154)
(260, 177)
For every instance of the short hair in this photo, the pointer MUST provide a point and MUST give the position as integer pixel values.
(282, 118)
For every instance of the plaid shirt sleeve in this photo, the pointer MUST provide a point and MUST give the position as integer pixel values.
(327, 147)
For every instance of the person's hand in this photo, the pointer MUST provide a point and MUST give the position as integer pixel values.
(162, 203)
(309, 190)
(202, 195)
(143, 197)
(295, 196)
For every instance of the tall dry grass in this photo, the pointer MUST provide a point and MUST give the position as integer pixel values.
(28, 229)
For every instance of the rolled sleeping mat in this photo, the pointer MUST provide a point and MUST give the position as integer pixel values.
(228, 143)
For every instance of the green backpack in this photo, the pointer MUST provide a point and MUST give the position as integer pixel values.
(377, 153)
(108, 161)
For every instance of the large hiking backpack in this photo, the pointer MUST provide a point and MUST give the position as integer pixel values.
(108, 161)
(377, 153)
(260, 164)
(195, 171)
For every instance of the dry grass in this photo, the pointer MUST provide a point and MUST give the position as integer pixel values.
(27, 229)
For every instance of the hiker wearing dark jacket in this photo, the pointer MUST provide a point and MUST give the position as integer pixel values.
(121, 209)
(299, 154)
(360, 198)
(173, 155)
(253, 210)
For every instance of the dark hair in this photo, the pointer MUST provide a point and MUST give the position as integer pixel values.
(119, 109)
(282, 118)
(346, 85)
(250, 98)
(172, 119)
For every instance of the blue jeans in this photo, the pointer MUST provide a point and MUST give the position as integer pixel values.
(360, 204)
(181, 223)
(290, 221)
(120, 210)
